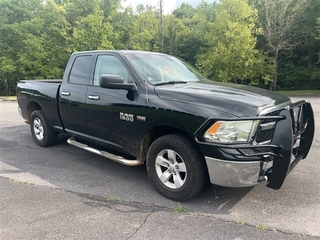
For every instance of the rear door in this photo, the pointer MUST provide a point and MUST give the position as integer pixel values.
(73, 94)
(111, 112)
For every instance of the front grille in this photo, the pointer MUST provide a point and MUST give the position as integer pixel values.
(266, 128)
(265, 136)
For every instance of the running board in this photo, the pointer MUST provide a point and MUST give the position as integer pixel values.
(118, 159)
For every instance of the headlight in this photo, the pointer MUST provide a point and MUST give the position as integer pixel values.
(231, 131)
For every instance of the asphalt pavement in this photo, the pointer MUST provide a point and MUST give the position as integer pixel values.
(62, 192)
(30, 211)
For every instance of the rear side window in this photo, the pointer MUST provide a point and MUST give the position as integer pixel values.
(80, 70)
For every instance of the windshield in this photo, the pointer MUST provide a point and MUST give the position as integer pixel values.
(160, 69)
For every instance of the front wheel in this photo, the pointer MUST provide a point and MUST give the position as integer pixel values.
(41, 131)
(176, 167)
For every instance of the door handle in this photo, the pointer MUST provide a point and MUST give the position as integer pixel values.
(91, 97)
(64, 93)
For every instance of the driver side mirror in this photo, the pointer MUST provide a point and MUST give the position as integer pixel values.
(112, 81)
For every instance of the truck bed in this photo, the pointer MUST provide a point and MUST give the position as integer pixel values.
(40, 94)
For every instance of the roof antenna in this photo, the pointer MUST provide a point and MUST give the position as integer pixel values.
(147, 97)
(145, 80)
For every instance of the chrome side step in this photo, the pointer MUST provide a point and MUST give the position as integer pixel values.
(105, 154)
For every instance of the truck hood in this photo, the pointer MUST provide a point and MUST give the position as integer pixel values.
(239, 100)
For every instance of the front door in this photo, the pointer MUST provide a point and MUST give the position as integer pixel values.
(111, 112)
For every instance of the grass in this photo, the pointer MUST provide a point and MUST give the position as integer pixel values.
(315, 93)
(113, 200)
(261, 227)
(241, 222)
(23, 182)
(8, 98)
(179, 209)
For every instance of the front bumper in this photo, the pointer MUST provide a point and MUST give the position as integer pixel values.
(243, 165)
(236, 174)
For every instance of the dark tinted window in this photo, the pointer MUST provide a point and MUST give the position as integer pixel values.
(80, 69)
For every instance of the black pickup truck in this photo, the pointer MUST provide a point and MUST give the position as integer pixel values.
(137, 107)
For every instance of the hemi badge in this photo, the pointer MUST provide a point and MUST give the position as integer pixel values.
(141, 118)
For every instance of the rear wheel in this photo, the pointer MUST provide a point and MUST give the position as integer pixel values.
(176, 167)
(41, 131)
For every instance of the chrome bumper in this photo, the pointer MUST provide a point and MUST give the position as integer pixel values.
(237, 174)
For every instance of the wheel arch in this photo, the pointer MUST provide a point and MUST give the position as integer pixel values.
(32, 106)
(157, 132)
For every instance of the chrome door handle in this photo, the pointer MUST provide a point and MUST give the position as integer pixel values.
(91, 97)
(64, 93)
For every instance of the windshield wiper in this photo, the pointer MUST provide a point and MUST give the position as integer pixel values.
(170, 82)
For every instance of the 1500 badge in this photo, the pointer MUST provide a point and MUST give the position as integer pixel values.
(126, 117)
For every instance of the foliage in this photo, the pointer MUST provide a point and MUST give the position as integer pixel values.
(122, 25)
(21, 53)
(230, 54)
(145, 28)
(196, 24)
(284, 27)
(300, 68)
(91, 32)
(222, 38)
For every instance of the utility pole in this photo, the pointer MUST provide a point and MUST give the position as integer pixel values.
(161, 24)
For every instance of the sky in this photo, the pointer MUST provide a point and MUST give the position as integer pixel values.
(169, 5)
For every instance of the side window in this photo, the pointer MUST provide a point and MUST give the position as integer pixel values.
(80, 70)
(107, 64)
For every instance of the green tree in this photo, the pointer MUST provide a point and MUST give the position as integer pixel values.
(88, 27)
(222, 38)
(230, 54)
(54, 38)
(20, 48)
(78, 9)
(145, 28)
(175, 34)
(122, 22)
(284, 26)
(185, 10)
(92, 32)
(196, 22)
(109, 7)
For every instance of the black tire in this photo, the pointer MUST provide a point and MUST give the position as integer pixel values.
(180, 176)
(41, 131)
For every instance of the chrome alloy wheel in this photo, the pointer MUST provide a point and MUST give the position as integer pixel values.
(38, 129)
(171, 169)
